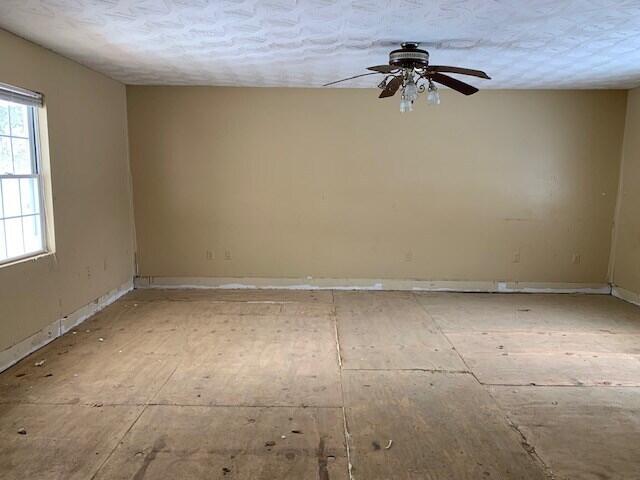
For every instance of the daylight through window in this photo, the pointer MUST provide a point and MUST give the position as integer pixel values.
(22, 232)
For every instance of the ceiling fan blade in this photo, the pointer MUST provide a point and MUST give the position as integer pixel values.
(391, 88)
(460, 70)
(383, 68)
(349, 78)
(453, 83)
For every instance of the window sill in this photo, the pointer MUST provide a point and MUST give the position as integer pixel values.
(32, 257)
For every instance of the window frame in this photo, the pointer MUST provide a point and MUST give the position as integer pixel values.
(36, 165)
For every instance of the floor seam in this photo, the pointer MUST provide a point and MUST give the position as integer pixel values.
(439, 327)
(239, 405)
(144, 409)
(528, 447)
(166, 404)
(531, 450)
(541, 329)
(347, 435)
(428, 370)
(555, 385)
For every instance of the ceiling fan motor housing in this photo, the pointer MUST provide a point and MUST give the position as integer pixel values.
(409, 56)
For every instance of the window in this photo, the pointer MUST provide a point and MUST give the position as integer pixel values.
(22, 220)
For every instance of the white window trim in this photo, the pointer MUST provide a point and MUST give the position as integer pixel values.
(34, 144)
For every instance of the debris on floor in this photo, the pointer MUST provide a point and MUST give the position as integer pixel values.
(22, 431)
(389, 445)
(40, 363)
(270, 443)
(101, 339)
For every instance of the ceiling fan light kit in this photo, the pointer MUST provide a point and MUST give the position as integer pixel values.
(409, 70)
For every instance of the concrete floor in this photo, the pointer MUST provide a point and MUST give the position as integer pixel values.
(300, 385)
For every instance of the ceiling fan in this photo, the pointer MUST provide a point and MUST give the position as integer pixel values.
(410, 70)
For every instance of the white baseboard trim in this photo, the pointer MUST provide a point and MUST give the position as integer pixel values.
(17, 352)
(626, 295)
(370, 284)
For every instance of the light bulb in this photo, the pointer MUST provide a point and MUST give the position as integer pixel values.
(406, 105)
(433, 96)
(411, 91)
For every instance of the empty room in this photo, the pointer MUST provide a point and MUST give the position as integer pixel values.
(320, 239)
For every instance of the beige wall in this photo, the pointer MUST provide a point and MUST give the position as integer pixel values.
(335, 183)
(626, 268)
(86, 114)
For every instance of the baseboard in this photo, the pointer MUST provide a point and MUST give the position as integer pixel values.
(370, 284)
(626, 295)
(59, 327)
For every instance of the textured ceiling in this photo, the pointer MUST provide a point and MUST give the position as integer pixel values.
(520, 43)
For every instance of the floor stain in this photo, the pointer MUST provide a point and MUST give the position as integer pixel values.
(158, 445)
(323, 471)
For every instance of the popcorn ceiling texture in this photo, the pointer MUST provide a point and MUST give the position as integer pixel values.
(521, 44)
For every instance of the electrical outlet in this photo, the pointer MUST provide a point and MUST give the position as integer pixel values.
(516, 257)
(575, 259)
(210, 255)
(408, 256)
(227, 254)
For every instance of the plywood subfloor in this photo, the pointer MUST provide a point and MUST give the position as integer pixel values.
(331, 385)
(584, 433)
